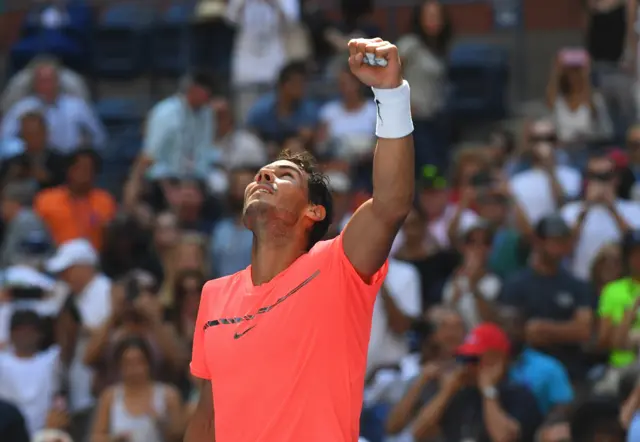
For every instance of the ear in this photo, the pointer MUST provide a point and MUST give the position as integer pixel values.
(316, 213)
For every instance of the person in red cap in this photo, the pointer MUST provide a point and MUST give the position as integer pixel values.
(473, 400)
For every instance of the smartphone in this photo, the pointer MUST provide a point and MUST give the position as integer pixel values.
(574, 57)
(131, 289)
(482, 179)
(467, 360)
(26, 293)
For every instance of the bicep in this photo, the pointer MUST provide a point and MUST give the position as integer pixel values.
(101, 421)
(367, 240)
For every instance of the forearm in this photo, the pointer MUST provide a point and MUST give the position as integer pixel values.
(565, 332)
(396, 319)
(200, 428)
(427, 423)
(169, 347)
(620, 221)
(621, 332)
(402, 413)
(485, 309)
(98, 343)
(556, 189)
(523, 225)
(454, 224)
(393, 163)
(500, 427)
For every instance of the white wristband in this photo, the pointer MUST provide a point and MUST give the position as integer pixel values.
(394, 111)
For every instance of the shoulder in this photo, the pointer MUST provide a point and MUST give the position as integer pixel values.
(214, 287)
(24, 105)
(570, 211)
(544, 362)
(330, 109)
(46, 196)
(615, 291)
(72, 101)
(102, 196)
(264, 103)
(107, 395)
(408, 42)
(629, 208)
(167, 107)
(171, 393)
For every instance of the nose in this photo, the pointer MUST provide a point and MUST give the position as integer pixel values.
(265, 176)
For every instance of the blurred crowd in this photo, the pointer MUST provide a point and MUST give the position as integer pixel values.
(522, 247)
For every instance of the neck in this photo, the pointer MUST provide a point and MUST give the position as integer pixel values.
(272, 253)
(24, 353)
(137, 385)
(352, 103)
(543, 267)
(79, 191)
(284, 104)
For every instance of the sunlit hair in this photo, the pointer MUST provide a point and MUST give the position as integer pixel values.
(467, 154)
(319, 193)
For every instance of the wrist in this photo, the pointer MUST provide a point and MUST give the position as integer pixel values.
(489, 391)
(393, 111)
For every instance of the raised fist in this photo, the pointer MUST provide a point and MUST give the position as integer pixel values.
(387, 77)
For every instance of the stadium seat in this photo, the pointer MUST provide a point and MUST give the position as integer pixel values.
(118, 113)
(170, 41)
(479, 75)
(120, 42)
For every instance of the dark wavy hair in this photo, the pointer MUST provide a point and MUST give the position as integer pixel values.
(439, 44)
(319, 193)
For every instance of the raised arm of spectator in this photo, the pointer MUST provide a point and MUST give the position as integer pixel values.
(453, 230)
(520, 217)
(544, 332)
(98, 342)
(403, 412)
(552, 83)
(368, 236)
(100, 429)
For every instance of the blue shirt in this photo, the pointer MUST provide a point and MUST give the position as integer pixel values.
(545, 376)
(633, 435)
(179, 140)
(264, 119)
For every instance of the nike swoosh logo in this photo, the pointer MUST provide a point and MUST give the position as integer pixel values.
(239, 335)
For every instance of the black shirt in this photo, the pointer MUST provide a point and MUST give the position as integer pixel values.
(12, 425)
(557, 298)
(434, 271)
(21, 167)
(463, 419)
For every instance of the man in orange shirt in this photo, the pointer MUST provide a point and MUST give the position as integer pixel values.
(282, 345)
(77, 209)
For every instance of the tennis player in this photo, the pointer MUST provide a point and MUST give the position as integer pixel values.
(282, 345)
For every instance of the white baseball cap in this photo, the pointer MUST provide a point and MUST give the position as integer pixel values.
(70, 253)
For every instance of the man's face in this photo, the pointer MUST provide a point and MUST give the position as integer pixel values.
(82, 172)
(556, 248)
(45, 83)
(493, 207)
(478, 243)
(8, 208)
(279, 191)
(190, 195)
(34, 134)
(450, 333)
(601, 170)
(434, 202)
(295, 86)
(198, 96)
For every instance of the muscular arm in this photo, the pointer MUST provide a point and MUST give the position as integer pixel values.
(370, 232)
(201, 424)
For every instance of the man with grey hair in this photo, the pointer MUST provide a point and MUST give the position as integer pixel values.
(22, 225)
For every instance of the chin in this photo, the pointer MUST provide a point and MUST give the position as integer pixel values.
(254, 210)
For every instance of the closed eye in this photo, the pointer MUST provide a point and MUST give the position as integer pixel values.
(287, 174)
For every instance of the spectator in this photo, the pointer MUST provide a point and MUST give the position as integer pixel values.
(544, 187)
(396, 306)
(71, 121)
(37, 162)
(493, 408)
(21, 223)
(188, 199)
(556, 304)
(28, 377)
(259, 51)
(434, 195)
(618, 306)
(187, 290)
(239, 147)
(20, 85)
(472, 289)
(286, 111)
(88, 306)
(424, 53)
(77, 209)
(341, 192)
(165, 237)
(190, 253)
(580, 113)
(433, 263)
(126, 247)
(543, 375)
(500, 151)
(597, 418)
(348, 123)
(600, 218)
(137, 408)
(178, 136)
(231, 242)
(137, 312)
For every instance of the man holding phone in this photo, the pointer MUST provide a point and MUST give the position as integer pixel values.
(601, 218)
(473, 401)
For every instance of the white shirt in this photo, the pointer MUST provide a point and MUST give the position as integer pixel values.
(70, 119)
(94, 305)
(532, 189)
(30, 384)
(403, 285)
(599, 228)
(342, 122)
(489, 287)
(259, 51)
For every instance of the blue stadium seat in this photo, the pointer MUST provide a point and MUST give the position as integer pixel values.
(479, 75)
(170, 41)
(120, 42)
(120, 114)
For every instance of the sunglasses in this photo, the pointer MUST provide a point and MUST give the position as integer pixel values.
(601, 176)
(549, 138)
